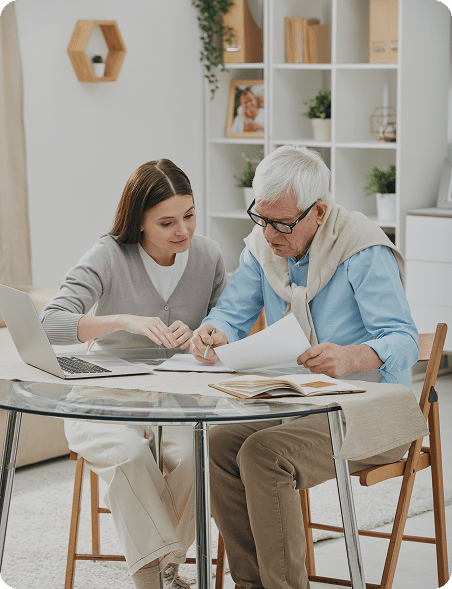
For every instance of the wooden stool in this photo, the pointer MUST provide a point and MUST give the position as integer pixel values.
(73, 555)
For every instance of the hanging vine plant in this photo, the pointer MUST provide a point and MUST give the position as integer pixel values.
(213, 35)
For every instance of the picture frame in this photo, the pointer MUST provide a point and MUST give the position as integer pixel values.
(445, 186)
(246, 114)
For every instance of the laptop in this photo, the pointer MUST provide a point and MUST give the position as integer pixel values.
(34, 347)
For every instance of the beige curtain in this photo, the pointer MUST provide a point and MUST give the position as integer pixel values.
(15, 257)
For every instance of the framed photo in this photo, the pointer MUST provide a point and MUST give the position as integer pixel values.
(246, 115)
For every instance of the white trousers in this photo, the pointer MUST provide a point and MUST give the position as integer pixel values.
(153, 513)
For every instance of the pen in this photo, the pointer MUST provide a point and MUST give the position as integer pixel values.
(208, 347)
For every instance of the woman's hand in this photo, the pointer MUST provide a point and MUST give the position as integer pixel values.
(182, 333)
(151, 327)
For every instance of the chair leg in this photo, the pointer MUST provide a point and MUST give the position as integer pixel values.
(401, 515)
(95, 525)
(75, 523)
(438, 495)
(221, 564)
(306, 511)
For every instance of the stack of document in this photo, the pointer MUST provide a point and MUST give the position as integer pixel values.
(277, 346)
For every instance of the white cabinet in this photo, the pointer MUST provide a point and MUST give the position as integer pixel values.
(417, 86)
(429, 269)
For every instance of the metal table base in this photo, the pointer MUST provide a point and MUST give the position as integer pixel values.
(202, 495)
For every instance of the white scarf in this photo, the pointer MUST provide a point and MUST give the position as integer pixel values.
(341, 235)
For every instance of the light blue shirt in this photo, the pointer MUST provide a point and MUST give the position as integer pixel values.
(363, 303)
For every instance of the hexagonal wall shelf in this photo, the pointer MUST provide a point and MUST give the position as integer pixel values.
(79, 41)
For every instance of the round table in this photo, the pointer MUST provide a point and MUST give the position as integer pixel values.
(132, 406)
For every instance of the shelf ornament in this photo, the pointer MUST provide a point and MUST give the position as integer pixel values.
(383, 123)
(77, 50)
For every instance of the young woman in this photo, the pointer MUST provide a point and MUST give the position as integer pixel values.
(149, 283)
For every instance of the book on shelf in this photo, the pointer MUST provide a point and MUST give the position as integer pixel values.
(319, 44)
(297, 38)
(305, 385)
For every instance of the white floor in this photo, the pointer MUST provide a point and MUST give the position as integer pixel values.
(416, 568)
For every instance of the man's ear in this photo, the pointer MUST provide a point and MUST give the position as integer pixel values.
(320, 209)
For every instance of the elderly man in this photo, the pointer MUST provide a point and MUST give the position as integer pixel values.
(341, 276)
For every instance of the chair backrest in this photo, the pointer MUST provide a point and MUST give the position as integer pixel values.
(431, 349)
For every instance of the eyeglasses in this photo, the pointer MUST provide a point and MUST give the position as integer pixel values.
(277, 225)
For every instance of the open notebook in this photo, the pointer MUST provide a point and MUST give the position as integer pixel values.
(254, 386)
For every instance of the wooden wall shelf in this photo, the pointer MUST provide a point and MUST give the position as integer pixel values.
(79, 41)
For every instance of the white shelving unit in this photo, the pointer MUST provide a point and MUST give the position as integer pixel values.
(417, 86)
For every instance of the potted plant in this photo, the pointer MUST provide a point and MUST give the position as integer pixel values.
(213, 35)
(98, 66)
(245, 179)
(319, 111)
(383, 184)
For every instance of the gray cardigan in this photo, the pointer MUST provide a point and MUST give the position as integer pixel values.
(112, 278)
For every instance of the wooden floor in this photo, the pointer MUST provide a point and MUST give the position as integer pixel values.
(416, 568)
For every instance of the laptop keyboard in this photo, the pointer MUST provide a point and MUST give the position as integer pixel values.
(75, 365)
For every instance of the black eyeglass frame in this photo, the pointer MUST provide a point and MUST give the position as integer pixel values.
(274, 223)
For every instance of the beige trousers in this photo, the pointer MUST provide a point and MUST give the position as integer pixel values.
(153, 513)
(255, 471)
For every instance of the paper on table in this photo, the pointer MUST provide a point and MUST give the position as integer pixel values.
(279, 344)
(188, 363)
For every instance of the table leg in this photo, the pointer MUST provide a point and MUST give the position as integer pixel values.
(158, 438)
(202, 506)
(344, 487)
(8, 469)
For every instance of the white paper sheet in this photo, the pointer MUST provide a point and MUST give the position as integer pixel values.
(279, 344)
(188, 363)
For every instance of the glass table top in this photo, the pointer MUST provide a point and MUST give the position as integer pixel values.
(102, 403)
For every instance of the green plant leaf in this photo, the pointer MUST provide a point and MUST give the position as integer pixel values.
(319, 107)
(381, 181)
(213, 35)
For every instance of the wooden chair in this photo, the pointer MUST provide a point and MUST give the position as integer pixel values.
(419, 457)
(73, 556)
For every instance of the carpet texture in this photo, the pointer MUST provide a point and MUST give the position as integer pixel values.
(38, 527)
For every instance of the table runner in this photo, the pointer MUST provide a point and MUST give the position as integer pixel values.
(384, 417)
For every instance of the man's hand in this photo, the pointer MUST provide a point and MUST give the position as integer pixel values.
(334, 360)
(202, 338)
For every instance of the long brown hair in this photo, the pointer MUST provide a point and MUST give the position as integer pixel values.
(150, 184)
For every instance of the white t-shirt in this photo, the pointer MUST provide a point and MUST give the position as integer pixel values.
(164, 278)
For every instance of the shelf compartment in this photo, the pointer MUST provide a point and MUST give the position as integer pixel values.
(351, 168)
(290, 90)
(321, 9)
(226, 162)
(358, 94)
(217, 109)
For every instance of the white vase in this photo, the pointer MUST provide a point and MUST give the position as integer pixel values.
(248, 195)
(321, 129)
(386, 206)
(98, 69)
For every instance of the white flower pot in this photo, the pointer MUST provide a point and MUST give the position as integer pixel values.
(98, 69)
(248, 195)
(386, 206)
(321, 129)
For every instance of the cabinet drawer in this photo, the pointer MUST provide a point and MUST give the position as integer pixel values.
(429, 283)
(426, 319)
(429, 238)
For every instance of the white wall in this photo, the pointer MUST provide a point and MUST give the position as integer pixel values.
(85, 139)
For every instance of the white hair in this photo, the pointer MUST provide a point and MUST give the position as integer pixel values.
(294, 169)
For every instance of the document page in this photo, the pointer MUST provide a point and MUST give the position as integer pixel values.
(279, 344)
(188, 363)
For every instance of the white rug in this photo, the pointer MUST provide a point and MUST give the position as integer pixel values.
(38, 527)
